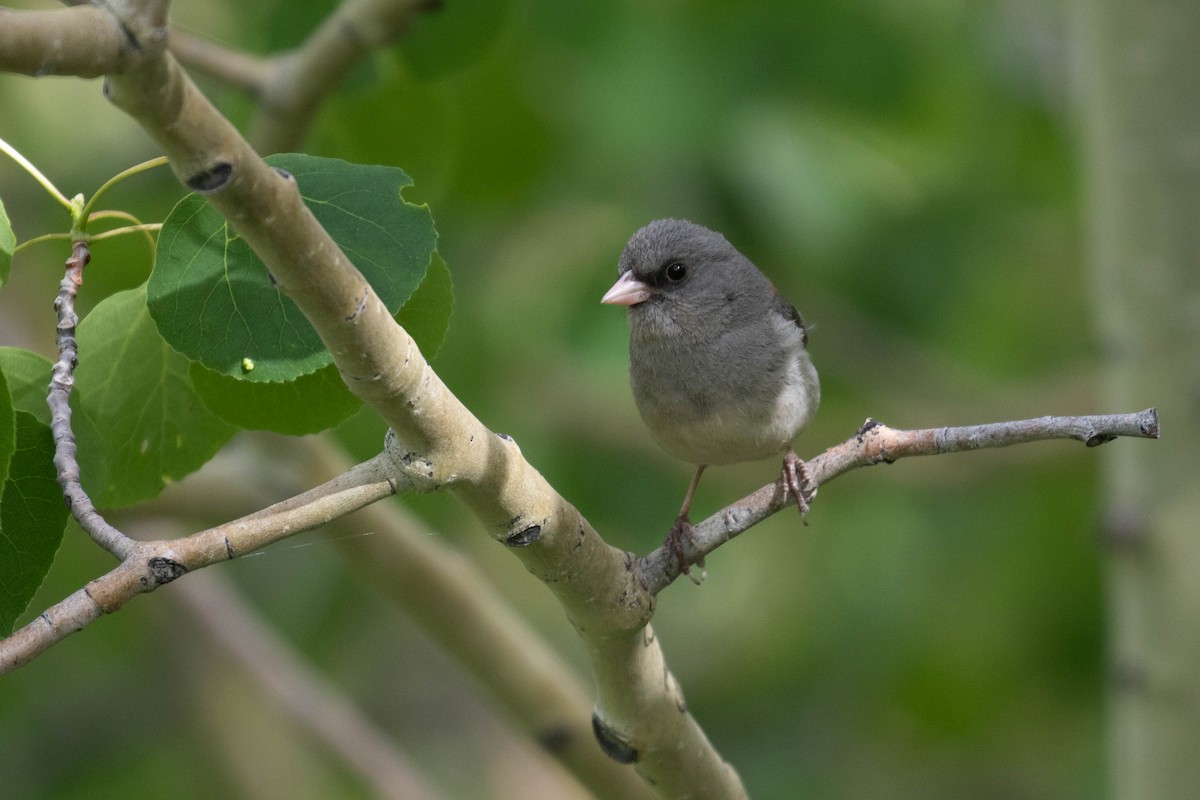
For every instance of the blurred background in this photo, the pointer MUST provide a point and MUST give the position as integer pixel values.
(904, 172)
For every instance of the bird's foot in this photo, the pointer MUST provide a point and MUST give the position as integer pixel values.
(797, 481)
(682, 529)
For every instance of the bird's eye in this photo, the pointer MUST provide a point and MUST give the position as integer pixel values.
(676, 272)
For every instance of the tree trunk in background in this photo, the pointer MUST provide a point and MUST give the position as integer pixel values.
(1137, 80)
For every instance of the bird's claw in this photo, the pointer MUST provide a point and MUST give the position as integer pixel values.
(797, 481)
(674, 542)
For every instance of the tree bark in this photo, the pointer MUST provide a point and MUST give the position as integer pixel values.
(1137, 73)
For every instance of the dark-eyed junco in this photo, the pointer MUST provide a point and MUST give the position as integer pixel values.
(718, 360)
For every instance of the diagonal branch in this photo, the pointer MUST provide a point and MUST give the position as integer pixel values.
(875, 443)
(438, 443)
(291, 86)
(241, 70)
(152, 564)
(300, 81)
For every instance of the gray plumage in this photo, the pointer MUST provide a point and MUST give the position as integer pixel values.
(717, 359)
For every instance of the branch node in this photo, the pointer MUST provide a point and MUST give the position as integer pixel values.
(416, 468)
(1149, 422)
(162, 571)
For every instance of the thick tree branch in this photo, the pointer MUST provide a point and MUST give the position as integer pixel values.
(457, 606)
(438, 442)
(875, 443)
(84, 41)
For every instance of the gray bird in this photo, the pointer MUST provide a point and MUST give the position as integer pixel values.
(718, 360)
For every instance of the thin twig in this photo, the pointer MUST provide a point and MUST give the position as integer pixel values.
(155, 563)
(875, 443)
(61, 383)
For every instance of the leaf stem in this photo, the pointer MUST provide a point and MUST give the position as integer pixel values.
(144, 227)
(120, 176)
(28, 166)
(45, 237)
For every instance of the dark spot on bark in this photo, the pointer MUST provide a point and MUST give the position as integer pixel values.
(505, 437)
(164, 570)
(1099, 439)
(868, 425)
(613, 745)
(524, 537)
(211, 179)
(228, 548)
(362, 304)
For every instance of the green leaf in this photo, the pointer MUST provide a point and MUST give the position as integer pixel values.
(319, 401)
(8, 431)
(213, 300)
(8, 243)
(138, 422)
(426, 315)
(28, 377)
(32, 518)
(309, 404)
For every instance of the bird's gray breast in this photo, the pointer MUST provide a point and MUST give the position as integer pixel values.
(711, 401)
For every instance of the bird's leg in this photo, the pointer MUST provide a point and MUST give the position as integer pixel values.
(797, 480)
(683, 529)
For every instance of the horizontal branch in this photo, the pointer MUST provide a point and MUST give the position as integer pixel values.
(875, 443)
(85, 41)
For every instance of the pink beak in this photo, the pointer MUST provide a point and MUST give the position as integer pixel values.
(627, 291)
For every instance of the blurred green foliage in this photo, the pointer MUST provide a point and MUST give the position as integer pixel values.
(903, 172)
